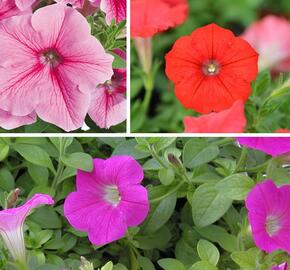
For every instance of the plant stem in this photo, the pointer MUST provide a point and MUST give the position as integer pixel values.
(256, 168)
(149, 85)
(60, 166)
(242, 158)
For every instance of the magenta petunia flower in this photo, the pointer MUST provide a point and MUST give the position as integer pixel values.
(51, 70)
(283, 266)
(271, 145)
(11, 225)
(108, 107)
(108, 200)
(269, 216)
(9, 121)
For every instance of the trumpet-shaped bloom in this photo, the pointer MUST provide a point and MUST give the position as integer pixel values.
(108, 107)
(110, 198)
(271, 146)
(51, 70)
(270, 37)
(269, 216)
(211, 69)
(9, 121)
(11, 225)
(149, 17)
(283, 266)
(232, 120)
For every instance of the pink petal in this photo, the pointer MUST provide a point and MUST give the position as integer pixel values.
(114, 9)
(74, 3)
(80, 206)
(134, 204)
(110, 224)
(24, 4)
(9, 121)
(8, 9)
(122, 171)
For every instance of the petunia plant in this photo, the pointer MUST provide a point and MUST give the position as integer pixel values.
(189, 69)
(144, 203)
(70, 76)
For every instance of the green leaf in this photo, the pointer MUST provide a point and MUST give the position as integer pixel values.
(171, 264)
(208, 251)
(145, 263)
(4, 150)
(38, 173)
(236, 186)
(163, 143)
(129, 148)
(119, 62)
(152, 164)
(197, 152)
(34, 154)
(166, 176)
(219, 235)
(81, 161)
(6, 180)
(46, 217)
(108, 266)
(247, 259)
(208, 205)
(203, 265)
(160, 214)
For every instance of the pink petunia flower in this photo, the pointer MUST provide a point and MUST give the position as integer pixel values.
(51, 70)
(11, 225)
(25, 4)
(270, 37)
(283, 266)
(269, 216)
(9, 121)
(271, 146)
(108, 107)
(110, 198)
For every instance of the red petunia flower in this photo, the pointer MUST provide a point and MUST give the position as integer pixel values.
(282, 130)
(232, 120)
(211, 69)
(149, 17)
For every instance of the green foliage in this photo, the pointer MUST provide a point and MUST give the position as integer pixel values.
(197, 218)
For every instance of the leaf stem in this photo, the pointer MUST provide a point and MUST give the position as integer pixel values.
(60, 166)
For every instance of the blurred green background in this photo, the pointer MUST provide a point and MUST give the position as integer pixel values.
(166, 113)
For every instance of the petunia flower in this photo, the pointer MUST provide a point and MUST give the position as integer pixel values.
(110, 198)
(108, 106)
(274, 146)
(9, 121)
(211, 69)
(51, 70)
(270, 37)
(11, 225)
(283, 266)
(269, 216)
(232, 120)
(149, 17)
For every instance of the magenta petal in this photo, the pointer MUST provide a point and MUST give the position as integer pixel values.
(87, 181)
(123, 170)
(134, 204)
(114, 9)
(9, 121)
(80, 206)
(107, 226)
(271, 146)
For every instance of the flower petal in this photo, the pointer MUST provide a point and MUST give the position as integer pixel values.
(9, 121)
(114, 9)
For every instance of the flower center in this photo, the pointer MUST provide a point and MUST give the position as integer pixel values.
(272, 225)
(211, 68)
(112, 195)
(51, 58)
